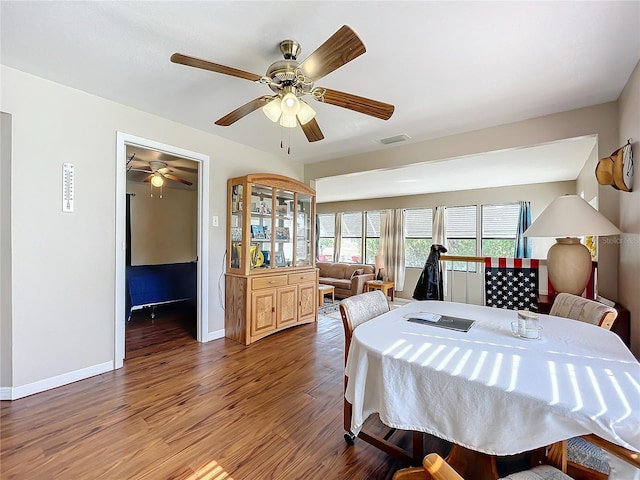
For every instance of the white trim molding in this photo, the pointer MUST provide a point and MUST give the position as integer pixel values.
(14, 393)
(122, 140)
(213, 335)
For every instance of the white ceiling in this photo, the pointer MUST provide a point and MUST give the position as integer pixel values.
(448, 67)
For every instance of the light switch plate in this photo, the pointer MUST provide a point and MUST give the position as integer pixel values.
(214, 221)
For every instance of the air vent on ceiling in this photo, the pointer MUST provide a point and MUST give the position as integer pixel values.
(395, 139)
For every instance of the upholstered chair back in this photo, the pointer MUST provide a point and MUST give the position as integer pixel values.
(584, 310)
(358, 309)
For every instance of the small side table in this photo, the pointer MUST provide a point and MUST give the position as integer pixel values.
(388, 288)
(324, 290)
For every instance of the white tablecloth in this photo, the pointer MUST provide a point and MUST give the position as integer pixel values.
(488, 390)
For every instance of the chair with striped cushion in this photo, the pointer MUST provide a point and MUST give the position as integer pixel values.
(435, 468)
(582, 309)
(583, 457)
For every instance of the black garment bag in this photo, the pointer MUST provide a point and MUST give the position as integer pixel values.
(429, 286)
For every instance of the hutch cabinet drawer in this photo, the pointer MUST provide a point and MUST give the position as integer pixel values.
(302, 277)
(268, 282)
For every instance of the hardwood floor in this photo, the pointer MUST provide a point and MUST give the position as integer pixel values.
(179, 409)
(146, 335)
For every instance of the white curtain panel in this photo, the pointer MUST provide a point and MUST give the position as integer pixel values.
(439, 227)
(439, 233)
(392, 245)
(338, 237)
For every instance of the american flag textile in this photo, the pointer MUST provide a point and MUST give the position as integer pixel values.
(511, 283)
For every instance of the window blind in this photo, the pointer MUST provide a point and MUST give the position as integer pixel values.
(352, 224)
(327, 224)
(461, 222)
(373, 224)
(500, 221)
(418, 222)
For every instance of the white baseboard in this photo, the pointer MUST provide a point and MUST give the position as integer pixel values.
(14, 393)
(207, 337)
(5, 393)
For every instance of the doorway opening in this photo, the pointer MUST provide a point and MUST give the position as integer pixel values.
(184, 173)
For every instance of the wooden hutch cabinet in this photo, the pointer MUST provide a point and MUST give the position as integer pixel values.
(271, 282)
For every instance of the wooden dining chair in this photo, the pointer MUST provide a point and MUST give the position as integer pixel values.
(355, 311)
(434, 467)
(584, 459)
(579, 308)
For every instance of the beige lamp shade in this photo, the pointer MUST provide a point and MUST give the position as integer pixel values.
(306, 113)
(272, 109)
(569, 261)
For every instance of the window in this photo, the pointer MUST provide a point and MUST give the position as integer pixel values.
(461, 234)
(499, 227)
(418, 236)
(372, 236)
(326, 236)
(351, 243)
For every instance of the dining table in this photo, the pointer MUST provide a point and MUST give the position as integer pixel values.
(488, 390)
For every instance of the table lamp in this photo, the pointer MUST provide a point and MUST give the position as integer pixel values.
(379, 266)
(569, 261)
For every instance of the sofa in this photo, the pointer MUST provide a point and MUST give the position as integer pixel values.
(347, 278)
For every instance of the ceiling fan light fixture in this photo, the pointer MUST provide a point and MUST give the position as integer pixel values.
(290, 104)
(157, 180)
(272, 109)
(288, 121)
(306, 113)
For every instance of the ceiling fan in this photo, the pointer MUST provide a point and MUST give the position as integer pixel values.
(291, 80)
(158, 172)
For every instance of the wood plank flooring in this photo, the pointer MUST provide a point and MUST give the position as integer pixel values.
(179, 409)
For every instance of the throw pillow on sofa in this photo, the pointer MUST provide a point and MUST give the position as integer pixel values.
(357, 271)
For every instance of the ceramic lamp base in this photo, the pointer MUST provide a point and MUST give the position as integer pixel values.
(569, 266)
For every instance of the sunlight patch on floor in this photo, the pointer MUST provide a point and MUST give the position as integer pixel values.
(211, 471)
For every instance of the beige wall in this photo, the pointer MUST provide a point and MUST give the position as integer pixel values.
(64, 263)
(163, 230)
(540, 195)
(5, 250)
(629, 272)
(599, 119)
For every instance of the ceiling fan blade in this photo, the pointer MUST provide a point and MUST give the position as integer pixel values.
(342, 47)
(242, 111)
(356, 103)
(184, 169)
(138, 170)
(148, 179)
(214, 67)
(176, 179)
(312, 131)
